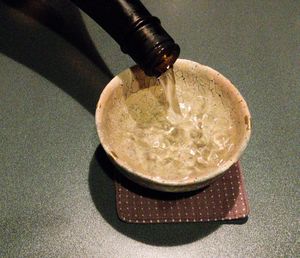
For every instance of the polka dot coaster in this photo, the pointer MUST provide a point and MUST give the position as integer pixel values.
(225, 199)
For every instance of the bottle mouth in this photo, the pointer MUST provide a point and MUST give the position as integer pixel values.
(164, 56)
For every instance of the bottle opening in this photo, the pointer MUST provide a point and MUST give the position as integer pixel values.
(164, 59)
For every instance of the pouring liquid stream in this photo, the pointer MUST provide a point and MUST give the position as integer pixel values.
(167, 81)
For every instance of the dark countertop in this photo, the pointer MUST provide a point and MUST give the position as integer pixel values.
(55, 198)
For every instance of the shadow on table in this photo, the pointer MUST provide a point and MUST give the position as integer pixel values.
(50, 38)
(102, 188)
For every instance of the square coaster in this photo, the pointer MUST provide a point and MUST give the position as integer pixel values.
(224, 199)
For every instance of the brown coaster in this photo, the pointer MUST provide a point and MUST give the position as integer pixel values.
(225, 199)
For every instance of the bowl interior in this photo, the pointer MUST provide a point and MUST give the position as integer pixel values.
(132, 101)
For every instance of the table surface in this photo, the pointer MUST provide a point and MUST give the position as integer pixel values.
(57, 200)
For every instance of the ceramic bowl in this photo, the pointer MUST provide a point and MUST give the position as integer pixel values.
(112, 106)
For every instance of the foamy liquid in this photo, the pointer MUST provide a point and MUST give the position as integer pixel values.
(173, 139)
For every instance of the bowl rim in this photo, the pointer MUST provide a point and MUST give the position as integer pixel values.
(115, 82)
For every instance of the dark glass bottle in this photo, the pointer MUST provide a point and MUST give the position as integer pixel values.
(138, 33)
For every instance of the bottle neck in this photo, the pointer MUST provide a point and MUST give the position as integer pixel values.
(150, 46)
(139, 34)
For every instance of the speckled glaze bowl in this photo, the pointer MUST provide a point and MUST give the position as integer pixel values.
(132, 80)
